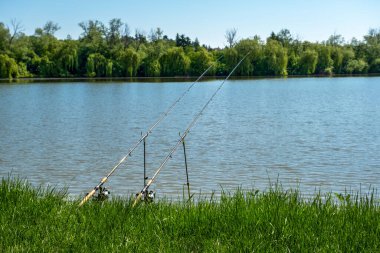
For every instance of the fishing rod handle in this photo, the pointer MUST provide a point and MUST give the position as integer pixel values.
(87, 197)
(137, 199)
(91, 193)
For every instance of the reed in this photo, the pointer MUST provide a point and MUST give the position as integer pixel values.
(42, 220)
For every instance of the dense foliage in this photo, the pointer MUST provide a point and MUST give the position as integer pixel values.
(110, 51)
(40, 220)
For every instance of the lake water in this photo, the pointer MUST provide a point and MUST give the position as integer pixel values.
(309, 133)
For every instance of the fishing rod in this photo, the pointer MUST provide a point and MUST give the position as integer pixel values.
(144, 191)
(143, 137)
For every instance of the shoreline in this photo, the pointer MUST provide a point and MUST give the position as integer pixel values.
(169, 79)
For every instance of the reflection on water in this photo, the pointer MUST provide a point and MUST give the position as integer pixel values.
(311, 133)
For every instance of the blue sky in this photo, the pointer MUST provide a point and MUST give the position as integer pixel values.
(313, 20)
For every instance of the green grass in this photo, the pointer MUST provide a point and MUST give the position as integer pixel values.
(41, 220)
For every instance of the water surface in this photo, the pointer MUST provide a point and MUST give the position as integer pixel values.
(311, 133)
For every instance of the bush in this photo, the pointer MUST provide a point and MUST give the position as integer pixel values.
(8, 67)
(357, 67)
(375, 66)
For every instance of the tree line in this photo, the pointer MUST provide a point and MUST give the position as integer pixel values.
(110, 50)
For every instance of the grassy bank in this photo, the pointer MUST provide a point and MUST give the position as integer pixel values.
(277, 220)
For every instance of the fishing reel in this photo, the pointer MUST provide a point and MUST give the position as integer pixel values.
(148, 197)
(103, 194)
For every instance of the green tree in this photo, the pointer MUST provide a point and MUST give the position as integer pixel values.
(174, 62)
(230, 59)
(50, 28)
(48, 68)
(357, 67)
(140, 39)
(114, 32)
(22, 70)
(109, 68)
(200, 61)
(293, 63)
(153, 68)
(372, 49)
(337, 58)
(220, 66)
(8, 67)
(276, 58)
(182, 41)
(33, 65)
(111, 51)
(325, 63)
(4, 38)
(150, 65)
(44, 43)
(283, 36)
(253, 47)
(308, 62)
(96, 65)
(335, 40)
(375, 66)
(129, 61)
(348, 54)
(91, 41)
(21, 49)
(67, 58)
(93, 30)
(196, 44)
(156, 35)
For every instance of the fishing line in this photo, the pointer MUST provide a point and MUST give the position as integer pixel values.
(144, 191)
(143, 137)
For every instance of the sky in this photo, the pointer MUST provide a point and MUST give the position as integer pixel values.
(207, 20)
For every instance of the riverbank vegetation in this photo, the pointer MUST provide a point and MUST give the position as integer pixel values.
(36, 219)
(111, 50)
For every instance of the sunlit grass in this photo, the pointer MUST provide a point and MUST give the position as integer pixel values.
(36, 219)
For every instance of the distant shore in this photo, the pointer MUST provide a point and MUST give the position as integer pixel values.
(170, 79)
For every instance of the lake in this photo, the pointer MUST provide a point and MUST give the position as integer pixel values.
(307, 133)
